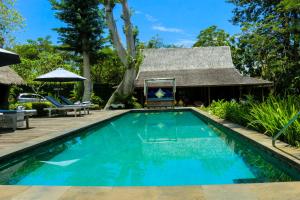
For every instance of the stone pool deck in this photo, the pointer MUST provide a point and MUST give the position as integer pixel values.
(43, 129)
(275, 191)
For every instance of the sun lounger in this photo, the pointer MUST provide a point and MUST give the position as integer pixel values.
(69, 102)
(66, 101)
(65, 108)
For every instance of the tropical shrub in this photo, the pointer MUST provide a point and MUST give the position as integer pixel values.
(230, 110)
(39, 107)
(14, 106)
(96, 99)
(137, 105)
(273, 114)
(95, 107)
(129, 101)
(267, 117)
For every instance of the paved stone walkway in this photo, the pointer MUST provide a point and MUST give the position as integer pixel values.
(266, 191)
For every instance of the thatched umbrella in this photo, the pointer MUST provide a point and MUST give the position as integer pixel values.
(9, 77)
(8, 58)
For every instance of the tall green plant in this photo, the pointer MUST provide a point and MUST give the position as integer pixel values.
(273, 114)
(267, 117)
(230, 110)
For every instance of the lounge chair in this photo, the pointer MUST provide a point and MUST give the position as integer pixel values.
(66, 101)
(69, 102)
(65, 108)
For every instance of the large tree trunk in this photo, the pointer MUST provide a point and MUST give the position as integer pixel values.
(126, 87)
(86, 72)
(128, 30)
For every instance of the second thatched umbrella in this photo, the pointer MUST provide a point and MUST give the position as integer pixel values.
(60, 75)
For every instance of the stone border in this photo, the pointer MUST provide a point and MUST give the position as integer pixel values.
(263, 191)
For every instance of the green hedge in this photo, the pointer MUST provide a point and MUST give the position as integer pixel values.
(39, 106)
(230, 110)
(267, 117)
(14, 106)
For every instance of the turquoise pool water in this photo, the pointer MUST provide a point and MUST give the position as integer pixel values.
(145, 149)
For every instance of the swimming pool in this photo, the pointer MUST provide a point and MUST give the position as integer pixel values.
(169, 148)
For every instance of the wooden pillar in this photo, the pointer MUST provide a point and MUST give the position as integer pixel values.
(208, 95)
(142, 98)
(4, 96)
(240, 92)
(262, 94)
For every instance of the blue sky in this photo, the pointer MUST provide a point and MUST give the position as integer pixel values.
(174, 21)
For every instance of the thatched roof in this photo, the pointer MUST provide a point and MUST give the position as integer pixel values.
(194, 67)
(8, 76)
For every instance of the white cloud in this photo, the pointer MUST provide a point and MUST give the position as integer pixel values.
(150, 18)
(185, 42)
(138, 12)
(167, 29)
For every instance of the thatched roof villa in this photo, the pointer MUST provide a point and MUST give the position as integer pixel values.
(7, 77)
(202, 74)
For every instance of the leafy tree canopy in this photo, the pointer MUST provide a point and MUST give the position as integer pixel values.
(157, 42)
(109, 69)
(10, 21)
(213, 36)
(39, 57)
(84, 20)
(269, 43)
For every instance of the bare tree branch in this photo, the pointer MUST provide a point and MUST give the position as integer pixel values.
(108, 4)
(128, 29)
